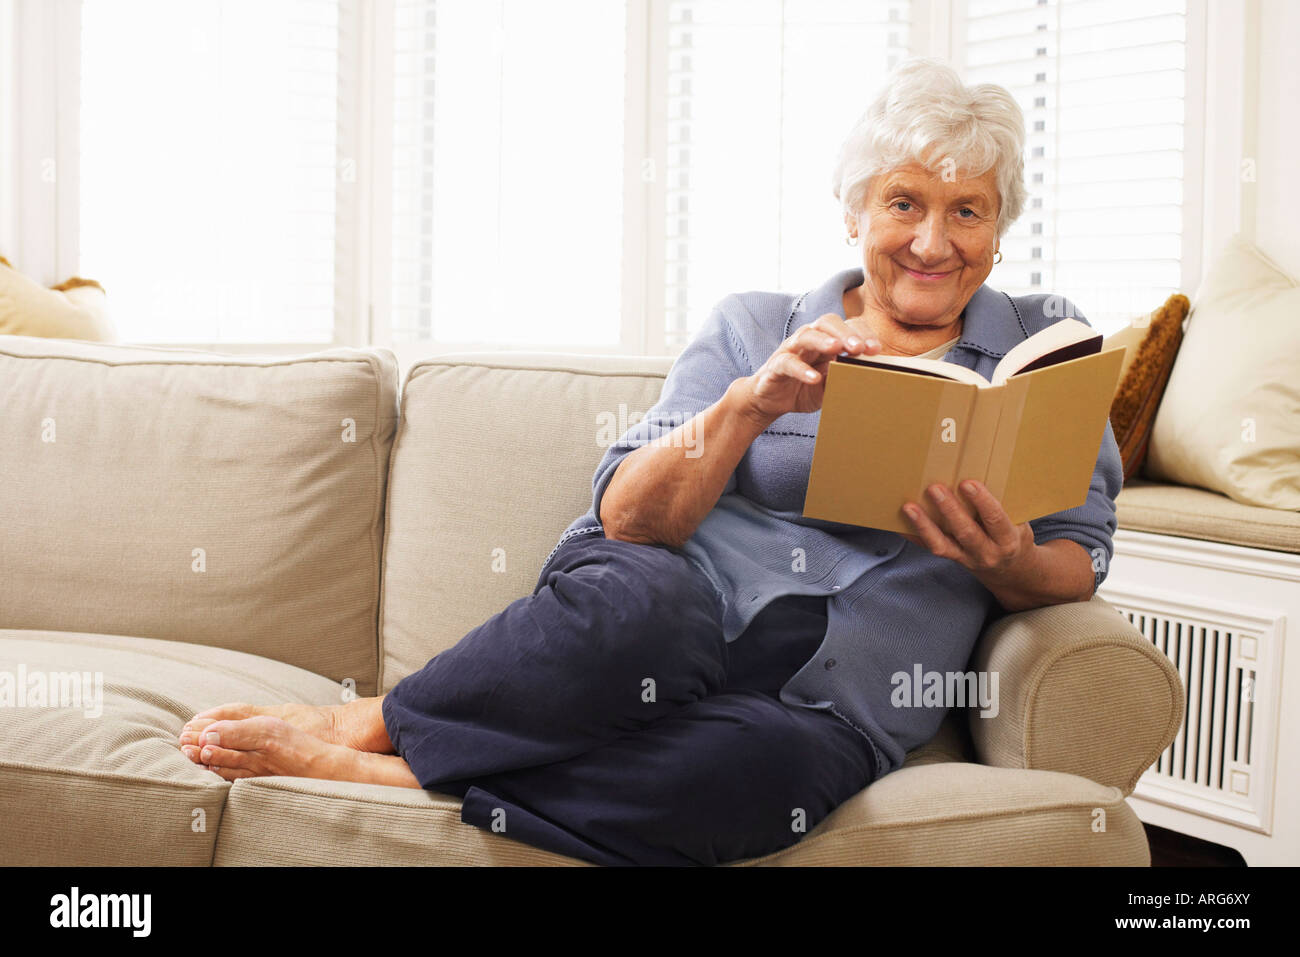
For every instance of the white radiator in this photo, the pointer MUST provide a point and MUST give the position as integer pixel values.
(1219, 613)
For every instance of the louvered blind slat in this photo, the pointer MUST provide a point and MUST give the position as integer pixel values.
(507, 168)
(1101, 83)
(760, 95)
(208, 167)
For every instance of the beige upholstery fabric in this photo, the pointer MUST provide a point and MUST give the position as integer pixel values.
(466, 478)
(294, 821)
(1080, 690)
(87, 788)
(1148, 506)
(298, 821)
(970, 815)
(197, 497)
(931, 811)
(1230, 417)
(494, 459)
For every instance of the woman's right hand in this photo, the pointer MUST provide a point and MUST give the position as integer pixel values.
(793, 379)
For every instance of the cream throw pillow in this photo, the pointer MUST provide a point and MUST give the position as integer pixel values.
(76, 309)
(1230, 417)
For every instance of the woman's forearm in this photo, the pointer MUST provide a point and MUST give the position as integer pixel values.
(661, 491)
(1053, 573)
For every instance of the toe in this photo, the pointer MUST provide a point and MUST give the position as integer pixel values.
(222, 712)
(190, 733)
(216, 757)
(246, 735)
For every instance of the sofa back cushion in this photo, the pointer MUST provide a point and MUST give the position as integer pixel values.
(223, 500)
(494, 459)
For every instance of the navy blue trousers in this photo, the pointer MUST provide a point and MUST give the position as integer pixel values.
(604, 717)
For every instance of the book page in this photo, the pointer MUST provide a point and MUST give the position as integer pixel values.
(1059, 342)
(918, 366)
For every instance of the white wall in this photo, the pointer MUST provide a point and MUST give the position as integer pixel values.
(8, 152)
(1277, 132)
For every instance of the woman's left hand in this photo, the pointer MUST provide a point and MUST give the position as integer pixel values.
(987, 543)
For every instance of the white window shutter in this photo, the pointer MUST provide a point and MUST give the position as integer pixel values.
(508, 172)
(1101, 84)
(760, 95)
(209, 168)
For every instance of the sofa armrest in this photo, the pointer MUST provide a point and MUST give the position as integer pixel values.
(1080, 690)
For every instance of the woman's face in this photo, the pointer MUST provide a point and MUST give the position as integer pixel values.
(927, 243)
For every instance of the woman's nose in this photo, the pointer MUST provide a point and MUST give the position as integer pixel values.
(931, 241)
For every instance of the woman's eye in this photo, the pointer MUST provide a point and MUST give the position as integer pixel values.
(967, 209)
(902, 202)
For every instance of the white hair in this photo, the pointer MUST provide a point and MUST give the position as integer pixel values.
(925, 109)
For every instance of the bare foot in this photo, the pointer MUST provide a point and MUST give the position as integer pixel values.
(266, 745)
(358, 724)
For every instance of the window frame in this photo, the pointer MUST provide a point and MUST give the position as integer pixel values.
(39, 121)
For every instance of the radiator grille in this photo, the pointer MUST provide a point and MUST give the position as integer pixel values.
(1219, 763)
(1216, 731)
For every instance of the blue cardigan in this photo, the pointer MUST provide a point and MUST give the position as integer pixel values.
(894, 606)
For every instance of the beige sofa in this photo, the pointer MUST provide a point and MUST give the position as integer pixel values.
(184, 529)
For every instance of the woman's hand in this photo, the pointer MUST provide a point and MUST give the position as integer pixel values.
(793, 379)
(987, 543)
(1002, 556)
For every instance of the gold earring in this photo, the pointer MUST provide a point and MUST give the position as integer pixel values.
(998, 257)
(850, 240)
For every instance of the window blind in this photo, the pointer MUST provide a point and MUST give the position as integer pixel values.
(1101, 83)
(761, 93)
(208, 167)
(508, 171)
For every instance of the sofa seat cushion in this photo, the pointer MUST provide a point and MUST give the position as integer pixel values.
(939, 808)
(928, 812)
(969, 815)
(305, 822)
(1148, 506)
(101, 782)
(301, 822)
(98, 780)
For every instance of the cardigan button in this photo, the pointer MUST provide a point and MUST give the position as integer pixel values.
(831, 663)
(882, 551)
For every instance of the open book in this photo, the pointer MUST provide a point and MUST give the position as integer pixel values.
(891, 426)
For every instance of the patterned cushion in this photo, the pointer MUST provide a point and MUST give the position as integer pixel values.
(1153, 343)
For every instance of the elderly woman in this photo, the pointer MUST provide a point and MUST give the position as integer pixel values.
(702, 674)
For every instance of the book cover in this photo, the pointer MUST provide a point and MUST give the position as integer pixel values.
(887, 431)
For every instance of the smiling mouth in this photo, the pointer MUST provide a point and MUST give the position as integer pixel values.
(927, 276)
